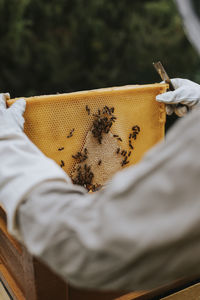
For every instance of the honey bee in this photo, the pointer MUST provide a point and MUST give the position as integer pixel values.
(87, 109)
(62, 163)
(71, 133)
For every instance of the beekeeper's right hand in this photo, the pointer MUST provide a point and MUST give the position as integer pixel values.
(22, 164)
(186, 92)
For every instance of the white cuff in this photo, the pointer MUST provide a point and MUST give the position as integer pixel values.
(23, 167)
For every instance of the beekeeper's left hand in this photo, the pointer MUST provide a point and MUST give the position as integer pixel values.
(186, 97)
(13, 116)
(22, 164)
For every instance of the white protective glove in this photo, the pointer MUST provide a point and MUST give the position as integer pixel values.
(186, 93)
(12, 117)
(23, 165)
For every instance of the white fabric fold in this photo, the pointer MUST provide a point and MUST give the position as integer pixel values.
(23, 166)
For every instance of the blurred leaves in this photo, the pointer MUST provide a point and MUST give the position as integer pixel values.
(61, 46)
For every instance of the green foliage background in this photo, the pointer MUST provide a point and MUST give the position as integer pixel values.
(61, 46)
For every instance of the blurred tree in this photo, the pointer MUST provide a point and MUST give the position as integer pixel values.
(196, 6)
(61, 46)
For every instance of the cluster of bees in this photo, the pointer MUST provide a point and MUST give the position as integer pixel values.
(81, 156)
(84, 174)
(126, 154)
(132, 136)
(84, 177)
(102, 123)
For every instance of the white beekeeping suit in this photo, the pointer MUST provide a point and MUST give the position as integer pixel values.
(141, 231)
(191, 21)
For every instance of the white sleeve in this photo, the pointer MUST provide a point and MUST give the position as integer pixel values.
(22, 167)
(141, 231)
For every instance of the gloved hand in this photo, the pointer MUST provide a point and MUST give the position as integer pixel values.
(186, 93)
(22, 165)
(13, 116)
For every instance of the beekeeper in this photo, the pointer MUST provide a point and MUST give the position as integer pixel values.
(141, 231)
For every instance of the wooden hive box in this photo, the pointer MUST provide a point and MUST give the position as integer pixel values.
(23, 277)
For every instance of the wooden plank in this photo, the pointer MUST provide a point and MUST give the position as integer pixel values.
(162, 291)
(48, 285)
(81, 294)
(11, 285)
(190, 293)
(17, 261)
(3, 228)
(3, 293)
(132, 295)
(11, 257)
